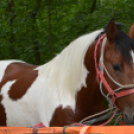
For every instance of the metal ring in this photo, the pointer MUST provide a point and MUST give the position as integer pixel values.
(64, 130)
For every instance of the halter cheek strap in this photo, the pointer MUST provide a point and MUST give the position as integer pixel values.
(111, 92)
(99, 73)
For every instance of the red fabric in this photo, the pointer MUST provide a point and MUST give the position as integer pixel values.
(38, 125)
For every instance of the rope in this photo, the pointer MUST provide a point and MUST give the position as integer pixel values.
(110, 118)
(101, 118)
(102, 112)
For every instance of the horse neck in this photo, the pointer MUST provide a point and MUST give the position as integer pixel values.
(89, 99)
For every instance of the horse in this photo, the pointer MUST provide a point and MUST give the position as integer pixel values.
(67, 88)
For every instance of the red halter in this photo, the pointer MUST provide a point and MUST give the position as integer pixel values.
(101, 76)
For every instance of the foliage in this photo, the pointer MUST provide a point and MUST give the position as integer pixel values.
(35, 31)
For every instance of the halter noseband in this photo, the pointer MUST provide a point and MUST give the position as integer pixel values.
(100, 68)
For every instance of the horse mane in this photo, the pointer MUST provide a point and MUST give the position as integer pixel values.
(124, 44)
(66, 73)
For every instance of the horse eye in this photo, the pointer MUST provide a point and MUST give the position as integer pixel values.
(117, 67)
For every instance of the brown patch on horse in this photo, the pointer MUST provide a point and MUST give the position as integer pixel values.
(20, 87)
(24, 75)
(2, 114)
(88, 101)
(62, 117)
(15, 70)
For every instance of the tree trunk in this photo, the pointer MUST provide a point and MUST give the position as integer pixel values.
(36, 44)
(50, 32)
(93, 6)
(10, 9)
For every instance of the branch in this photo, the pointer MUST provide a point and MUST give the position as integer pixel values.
(36, 43)
(11, 9)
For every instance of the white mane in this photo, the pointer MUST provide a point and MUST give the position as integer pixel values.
(66, 73)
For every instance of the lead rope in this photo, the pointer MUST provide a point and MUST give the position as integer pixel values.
(100, 113)
(110, 118)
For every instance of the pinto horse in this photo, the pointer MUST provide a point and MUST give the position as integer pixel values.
(65, 90)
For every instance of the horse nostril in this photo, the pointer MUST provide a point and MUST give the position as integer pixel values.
(127, 120)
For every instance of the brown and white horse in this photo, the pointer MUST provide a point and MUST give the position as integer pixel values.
(65, 90)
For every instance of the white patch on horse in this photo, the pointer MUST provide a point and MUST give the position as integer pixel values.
(132, 55)
(3, 66)
(6, 88)
(57, 85)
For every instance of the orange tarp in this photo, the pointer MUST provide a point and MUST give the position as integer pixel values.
(71, 130)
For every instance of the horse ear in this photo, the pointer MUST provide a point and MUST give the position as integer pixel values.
(111, 31)
(131, 31)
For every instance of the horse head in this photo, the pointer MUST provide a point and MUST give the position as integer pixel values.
(117, 65)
